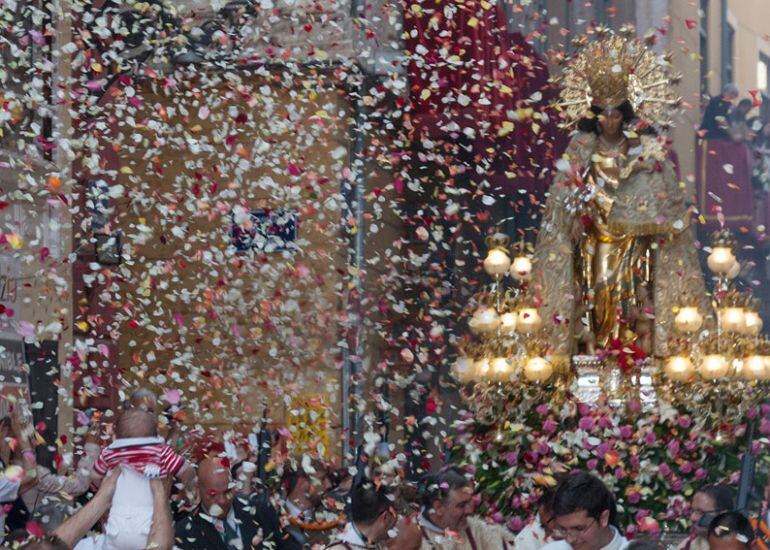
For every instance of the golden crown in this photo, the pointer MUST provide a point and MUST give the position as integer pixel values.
(610, 69)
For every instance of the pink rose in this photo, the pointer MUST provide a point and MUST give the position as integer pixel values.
(687, 468)
(634, 497)
(497, 517)
(700, 473)
(549, 426)
(673, 447)
(584, 409)
(677, 484)
(620, 473)
(649, 438)
(586, 423)
(511, 458)
(664, 470)
(685, 421)
(592, 463)
(764, 426)
(515, 524)
(605, 422)
(626, 432)
(690, 446)
(543, 409)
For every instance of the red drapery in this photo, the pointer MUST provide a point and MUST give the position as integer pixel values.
(467, 72)
(723, 180)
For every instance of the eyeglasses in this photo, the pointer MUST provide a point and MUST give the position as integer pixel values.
(573, 532)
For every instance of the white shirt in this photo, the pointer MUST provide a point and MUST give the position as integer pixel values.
(94, 542)
(351, 536)
(533, 537)
(618, 542)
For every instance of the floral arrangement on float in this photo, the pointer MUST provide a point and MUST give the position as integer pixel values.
(651, 455)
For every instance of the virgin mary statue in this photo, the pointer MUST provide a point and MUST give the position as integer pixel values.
(615, 253)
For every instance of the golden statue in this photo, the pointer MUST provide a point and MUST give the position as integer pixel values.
(615, 249)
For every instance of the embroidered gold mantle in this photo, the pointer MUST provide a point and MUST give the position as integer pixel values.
(649, 202)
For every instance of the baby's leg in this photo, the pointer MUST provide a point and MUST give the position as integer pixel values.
(130, 516)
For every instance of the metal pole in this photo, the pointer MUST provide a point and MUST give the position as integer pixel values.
(352, 392)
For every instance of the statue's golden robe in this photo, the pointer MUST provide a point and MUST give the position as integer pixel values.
(648, 204)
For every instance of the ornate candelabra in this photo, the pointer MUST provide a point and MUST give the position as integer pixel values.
(506, 344)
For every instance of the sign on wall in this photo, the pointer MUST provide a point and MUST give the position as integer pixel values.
(263, 230)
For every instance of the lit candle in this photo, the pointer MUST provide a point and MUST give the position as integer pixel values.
(538, 369)
(714, 366)
(521, 268)
(500, 369)
(497, 262)
(752, 323)
(755, 368)
(732, 319)
(508, 322)
(485, 319)
(721, 259)
(688, 319)
(529, 320)
(481, 366)
(679, 368)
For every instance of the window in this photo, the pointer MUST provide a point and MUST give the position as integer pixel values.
(729, 51)
(763, 73)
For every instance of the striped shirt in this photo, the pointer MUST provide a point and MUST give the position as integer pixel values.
(149, 456)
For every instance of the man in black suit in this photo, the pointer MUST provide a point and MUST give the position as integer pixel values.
(714, 124)
(224, 520)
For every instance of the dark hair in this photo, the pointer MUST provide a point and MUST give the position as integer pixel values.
(546, 499)
(368, 502)
(582, 491)
(291, 477)
(732, 523)
(745, 102)
(591, 124)
(722, 496)
(437, 486)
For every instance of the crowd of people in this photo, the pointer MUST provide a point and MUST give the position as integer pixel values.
(729, 118)
(137, 492)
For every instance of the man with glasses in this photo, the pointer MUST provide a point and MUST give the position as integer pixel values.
(707, 503)
(585, 515)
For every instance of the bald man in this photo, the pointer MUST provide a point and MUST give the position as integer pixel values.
(224, 519)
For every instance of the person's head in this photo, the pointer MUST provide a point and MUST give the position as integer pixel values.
(607, 121)
(583, 511)
(730, 91)
(447, 497)
(304, 489)
(708, 502)
(730, 531)
(744, 106)
(372, 510)
(143, 398)
(545, 512)
(766, 129)
(136, 423)
(215, 487)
